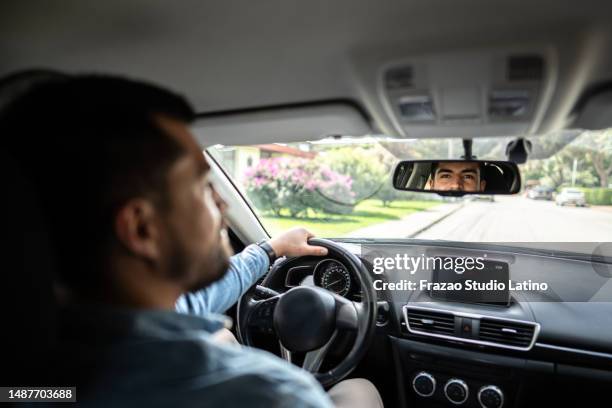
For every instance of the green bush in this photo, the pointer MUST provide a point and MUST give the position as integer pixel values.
(598, 196)
(387, 194)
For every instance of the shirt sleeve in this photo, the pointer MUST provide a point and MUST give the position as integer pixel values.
(245, 269)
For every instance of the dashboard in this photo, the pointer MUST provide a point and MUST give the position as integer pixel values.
(327, 273)
(481, 354)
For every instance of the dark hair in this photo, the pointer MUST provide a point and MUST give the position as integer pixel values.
(435, 165)
(90, 143)
(18, 83)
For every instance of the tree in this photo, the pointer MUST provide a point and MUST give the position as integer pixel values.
(601, 155)
(590, 151)
(603, 167)
(367, 166)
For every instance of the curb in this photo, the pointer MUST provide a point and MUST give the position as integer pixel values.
(425, 228)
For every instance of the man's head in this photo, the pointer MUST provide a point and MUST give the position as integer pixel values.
(123, 183)
(456, 176)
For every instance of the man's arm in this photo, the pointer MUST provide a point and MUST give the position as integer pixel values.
(244, 270)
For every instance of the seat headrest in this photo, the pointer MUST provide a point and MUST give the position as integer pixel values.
(494, 178)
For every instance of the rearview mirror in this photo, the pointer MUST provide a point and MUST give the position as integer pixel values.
(457, 177)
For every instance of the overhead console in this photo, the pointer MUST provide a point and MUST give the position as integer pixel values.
(466, 94)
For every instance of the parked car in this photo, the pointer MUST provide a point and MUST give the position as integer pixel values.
(540, 193)
(481, 197)
(571, 196)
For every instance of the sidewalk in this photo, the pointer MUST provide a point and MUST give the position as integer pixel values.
(409, 226)
(606, 208)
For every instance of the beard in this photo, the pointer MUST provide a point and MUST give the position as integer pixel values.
(197, 270)
(213, 269)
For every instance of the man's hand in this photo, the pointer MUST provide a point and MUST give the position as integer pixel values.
(294, 243)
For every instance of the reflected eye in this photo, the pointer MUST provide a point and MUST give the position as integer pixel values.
(469, 177)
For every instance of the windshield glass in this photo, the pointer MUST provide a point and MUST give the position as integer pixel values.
(341, 187)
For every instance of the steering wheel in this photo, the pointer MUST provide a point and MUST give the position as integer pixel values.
(306, 319)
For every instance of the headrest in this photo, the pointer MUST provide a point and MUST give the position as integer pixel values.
(494, 178)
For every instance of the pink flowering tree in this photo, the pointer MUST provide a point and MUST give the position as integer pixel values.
(296, 185)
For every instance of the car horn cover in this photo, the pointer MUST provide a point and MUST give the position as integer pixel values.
(305, 318)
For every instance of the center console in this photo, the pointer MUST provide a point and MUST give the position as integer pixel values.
(451, 357)
(499, 346)
(436, 374)
(456, 390)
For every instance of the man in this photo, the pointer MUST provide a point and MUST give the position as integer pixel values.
(137, 225)
(456, 176)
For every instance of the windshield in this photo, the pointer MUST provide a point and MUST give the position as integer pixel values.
(341, 187)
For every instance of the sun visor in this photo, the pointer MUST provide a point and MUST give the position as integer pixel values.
(596, 111)
(283, 124)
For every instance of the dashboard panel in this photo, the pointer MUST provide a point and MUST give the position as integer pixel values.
(328, 273)
(572, 314)
(523, 353)
(551, 337)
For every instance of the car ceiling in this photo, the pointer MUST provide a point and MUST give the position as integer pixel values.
(238, 54)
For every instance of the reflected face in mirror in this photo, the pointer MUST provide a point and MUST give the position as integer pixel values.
(456, 176)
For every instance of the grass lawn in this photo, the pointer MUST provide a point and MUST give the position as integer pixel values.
(366, 213)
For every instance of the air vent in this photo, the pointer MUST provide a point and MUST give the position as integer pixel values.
(508, 333)
(398, 78)
(525, 68)
(492, 331)
(431, 321)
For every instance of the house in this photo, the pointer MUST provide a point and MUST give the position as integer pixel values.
(237, 159)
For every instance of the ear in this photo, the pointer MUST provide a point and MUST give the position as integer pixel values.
(483, 185)
(137, 228)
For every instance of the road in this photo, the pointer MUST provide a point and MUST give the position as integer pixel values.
(519, 219)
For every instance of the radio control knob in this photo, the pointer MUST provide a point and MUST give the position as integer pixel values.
(424, 384)
(456, 391)
(490, 396)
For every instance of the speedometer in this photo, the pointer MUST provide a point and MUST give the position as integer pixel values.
(336, 278)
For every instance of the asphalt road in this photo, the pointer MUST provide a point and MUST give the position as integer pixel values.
(519, 219)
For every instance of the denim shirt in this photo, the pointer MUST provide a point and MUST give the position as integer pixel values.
(244, 270)
(160, 358)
